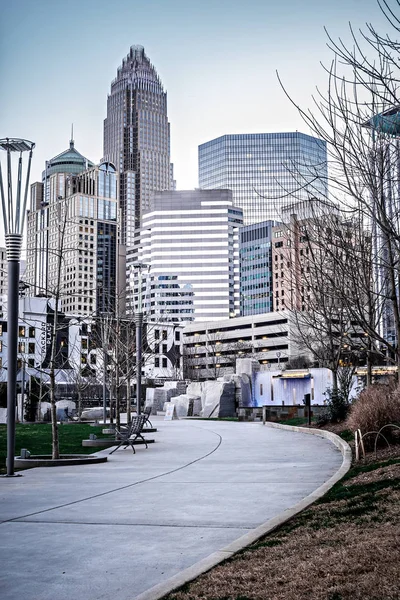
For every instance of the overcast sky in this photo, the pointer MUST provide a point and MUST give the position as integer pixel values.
(217, 60)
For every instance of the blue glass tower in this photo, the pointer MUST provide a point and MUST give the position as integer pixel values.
(255, 253)
(265, 170)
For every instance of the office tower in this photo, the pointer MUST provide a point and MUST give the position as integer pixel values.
(256, 268)
(193, 236)
(43, 195)
(137, 138)
(72, 238)
(265, 170)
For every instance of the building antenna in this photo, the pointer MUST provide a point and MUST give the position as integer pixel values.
(71, 141)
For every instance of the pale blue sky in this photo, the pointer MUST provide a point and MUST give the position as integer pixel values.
(217, 60)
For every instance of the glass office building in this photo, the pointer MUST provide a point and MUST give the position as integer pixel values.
(255, 253)
(137, 138)
(265, 170)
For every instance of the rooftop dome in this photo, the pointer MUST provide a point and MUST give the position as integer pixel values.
(69, 161)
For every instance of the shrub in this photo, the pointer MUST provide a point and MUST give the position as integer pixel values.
(376, 406)
(337, 406)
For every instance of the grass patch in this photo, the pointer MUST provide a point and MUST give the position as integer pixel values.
(346, 435)
(36, 437)
(296, 421)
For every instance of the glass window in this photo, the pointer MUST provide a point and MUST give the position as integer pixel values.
(21, 331)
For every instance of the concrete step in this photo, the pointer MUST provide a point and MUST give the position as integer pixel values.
(107, 443)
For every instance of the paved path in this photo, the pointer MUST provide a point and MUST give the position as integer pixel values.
(111, 531)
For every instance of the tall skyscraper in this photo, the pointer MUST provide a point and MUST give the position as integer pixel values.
(137, 138)
(192, 237)
(265, 170)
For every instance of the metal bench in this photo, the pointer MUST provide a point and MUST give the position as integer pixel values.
(127, 437)
(147, 413)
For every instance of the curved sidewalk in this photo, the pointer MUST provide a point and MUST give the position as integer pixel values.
(124, 528)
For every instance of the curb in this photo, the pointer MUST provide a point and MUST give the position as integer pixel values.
(162, 589)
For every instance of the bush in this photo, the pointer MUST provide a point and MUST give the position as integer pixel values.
(337, 406)
(376, 406)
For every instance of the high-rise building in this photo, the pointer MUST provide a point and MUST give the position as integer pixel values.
(256, 268)
(137, 138)
(72, 237)
(44, 195)
(192, 237)
(265, 170)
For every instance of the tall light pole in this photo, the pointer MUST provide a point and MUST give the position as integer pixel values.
(13, 218)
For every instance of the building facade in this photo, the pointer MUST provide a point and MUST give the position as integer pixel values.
(211, 349)
(165, 349)
(36, 320)
(256, 283)
(43, 195)
(72, 237)
(137, 138)
(193, 238)
(168, 300)
(263, 170)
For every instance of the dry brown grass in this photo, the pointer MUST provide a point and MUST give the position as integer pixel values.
(377, 405)
(345, 547)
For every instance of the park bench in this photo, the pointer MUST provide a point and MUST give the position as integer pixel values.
(128, 436)
(147, 413)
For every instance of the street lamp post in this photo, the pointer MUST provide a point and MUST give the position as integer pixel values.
(13, 218)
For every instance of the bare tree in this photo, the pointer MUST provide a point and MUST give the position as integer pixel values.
(359, 118)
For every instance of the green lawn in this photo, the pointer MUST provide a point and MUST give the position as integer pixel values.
(296, 421)
(36, 437)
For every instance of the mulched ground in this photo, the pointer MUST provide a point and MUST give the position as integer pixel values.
(346, 546)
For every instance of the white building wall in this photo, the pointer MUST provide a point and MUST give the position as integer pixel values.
(194, 235)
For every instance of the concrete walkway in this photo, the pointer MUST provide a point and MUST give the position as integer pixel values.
(114, 530)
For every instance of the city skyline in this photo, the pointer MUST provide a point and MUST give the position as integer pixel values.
(61, 69)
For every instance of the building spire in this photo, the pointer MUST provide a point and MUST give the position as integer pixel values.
(71, 141)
